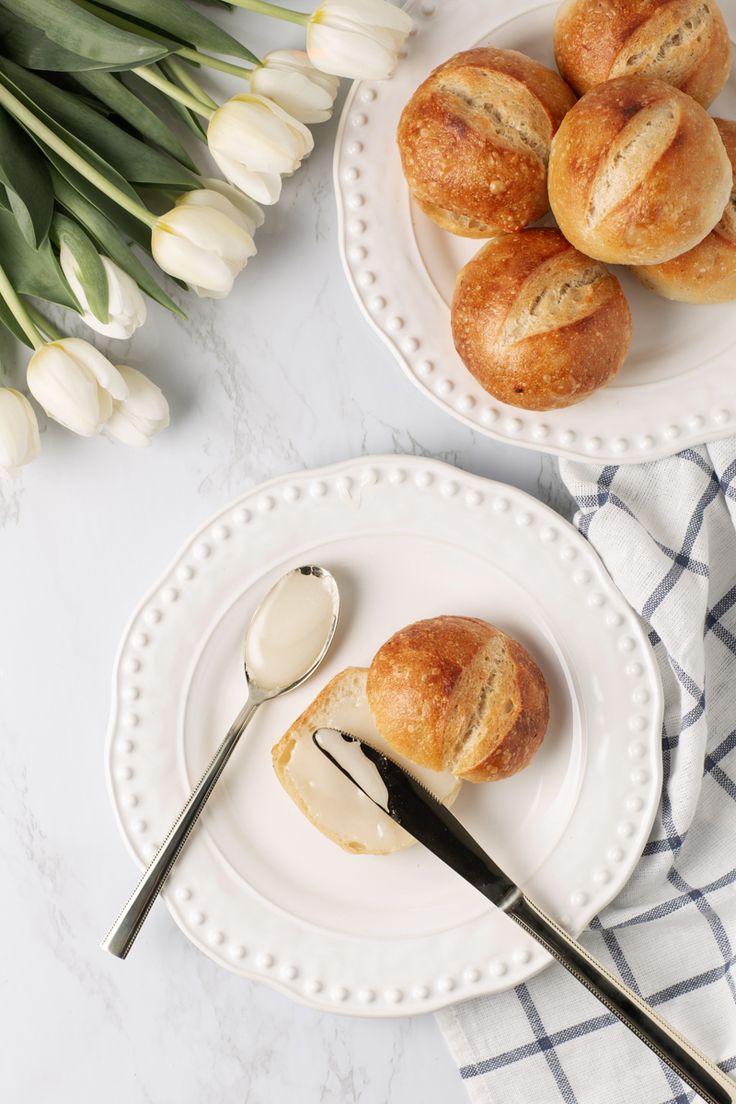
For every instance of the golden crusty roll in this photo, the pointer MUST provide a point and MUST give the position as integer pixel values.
(474, 140)
(456, 693)
(706, 273)
(638, 172)
(537, 323)
(683, 42)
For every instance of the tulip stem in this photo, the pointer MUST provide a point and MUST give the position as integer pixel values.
(264, 8)
(17, 308)
(49, 137)
(173, 91)
(43, 324)
(185, 78)
(208, 62)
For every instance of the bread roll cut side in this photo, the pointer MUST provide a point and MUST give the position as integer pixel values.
(333, 804)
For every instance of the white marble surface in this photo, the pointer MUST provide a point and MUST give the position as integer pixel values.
(283, 375)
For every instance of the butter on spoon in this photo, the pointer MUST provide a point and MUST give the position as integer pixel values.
(286, 640)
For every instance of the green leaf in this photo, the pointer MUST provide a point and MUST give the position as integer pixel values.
(90, 269)
(24, 173)
(188, 117)
(110, 241)
(80, 32)
(32, 271)
(179, 20)
(8, 320)
(112, 92)
(132, 158)
(93, 158)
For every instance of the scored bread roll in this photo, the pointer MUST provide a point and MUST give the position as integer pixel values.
(474, 140)
(456, 693)
(683, 42)
(638, 172)
(706, 273)
(326, 797)
(538, 324)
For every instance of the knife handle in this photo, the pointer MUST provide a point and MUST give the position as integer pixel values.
(697, 1071)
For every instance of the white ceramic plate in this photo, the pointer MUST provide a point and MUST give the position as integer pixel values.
(258, 888)
(676, 387)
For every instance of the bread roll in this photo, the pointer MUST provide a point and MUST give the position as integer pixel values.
(326, 797)
(457, 694)
(538, 324)
(683, 42)
(638, 173)
(706, 273)
(474, 140)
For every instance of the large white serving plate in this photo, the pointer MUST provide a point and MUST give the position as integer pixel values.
(677, 385)
(257, 887)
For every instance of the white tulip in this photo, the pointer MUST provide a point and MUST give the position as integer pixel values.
(143, 413)
(254, 142)
(228, 199)
(360, 39)
(290, 80)
(19, 441)
(126, 306)
(203, 246)
(75, 384)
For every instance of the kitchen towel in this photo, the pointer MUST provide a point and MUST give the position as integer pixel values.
(666, 532)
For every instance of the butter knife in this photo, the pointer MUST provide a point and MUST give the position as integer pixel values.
(411, 805)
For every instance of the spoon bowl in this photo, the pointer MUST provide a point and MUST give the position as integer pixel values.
(309, 600)
(287, 638)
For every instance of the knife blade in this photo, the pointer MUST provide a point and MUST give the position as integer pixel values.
(419, 813)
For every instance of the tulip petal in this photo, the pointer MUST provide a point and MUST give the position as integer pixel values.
(233, 203)
(19, 439)
(295, 92)
(349, 53)
(67, 390)
(265, 188)
(101, 368)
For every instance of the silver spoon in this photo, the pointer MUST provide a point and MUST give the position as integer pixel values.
(122, 934)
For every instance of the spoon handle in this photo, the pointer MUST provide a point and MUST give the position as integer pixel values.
(697, 1071)
(122, 934)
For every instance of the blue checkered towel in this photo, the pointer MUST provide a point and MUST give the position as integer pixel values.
(665, 531)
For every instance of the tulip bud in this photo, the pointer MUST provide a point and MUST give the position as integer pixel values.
(254, 142)
(228, 199)
(19, 442)
(203, 246)
(75, 384)
(289, 79)
(360, 39)
(125, 304)
(143, 413)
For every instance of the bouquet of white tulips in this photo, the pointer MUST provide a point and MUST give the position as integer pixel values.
(89, 90)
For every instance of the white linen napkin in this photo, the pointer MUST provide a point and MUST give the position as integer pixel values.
(666, 533)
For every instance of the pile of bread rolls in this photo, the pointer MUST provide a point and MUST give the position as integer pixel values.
(635, 173)
(449, 698)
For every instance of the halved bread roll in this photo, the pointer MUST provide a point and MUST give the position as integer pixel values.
(457, 694)
(326, 797)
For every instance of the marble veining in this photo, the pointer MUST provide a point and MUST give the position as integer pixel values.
(284, 375)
